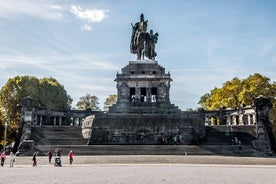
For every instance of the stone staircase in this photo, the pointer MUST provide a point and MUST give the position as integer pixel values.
(57, 135)
(227, 150)
(69, 138)
(223, 135)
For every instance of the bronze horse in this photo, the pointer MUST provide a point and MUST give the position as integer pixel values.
(140, 40)
(142, 45)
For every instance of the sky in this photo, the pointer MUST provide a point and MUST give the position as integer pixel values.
(84, 43)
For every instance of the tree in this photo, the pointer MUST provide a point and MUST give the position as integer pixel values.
(46, 92)
(110, 100)
(88, 101)
(254, 86)
(53, 94)
(237, 92)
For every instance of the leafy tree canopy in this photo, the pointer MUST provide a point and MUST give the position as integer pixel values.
(238, 92)
(88, 101)
(110, 100)
(46, 92)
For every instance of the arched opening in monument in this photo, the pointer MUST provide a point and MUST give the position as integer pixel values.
(132, 94)
(245, 119)
(237, 120)
(52, 119)
(143, 96)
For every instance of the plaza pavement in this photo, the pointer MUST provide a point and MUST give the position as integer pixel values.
(142, 169)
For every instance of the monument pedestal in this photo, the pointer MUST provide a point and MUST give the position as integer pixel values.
(143, 113)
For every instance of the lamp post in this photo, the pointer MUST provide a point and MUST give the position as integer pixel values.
(3, 110)
(6, 126)
(5, 135)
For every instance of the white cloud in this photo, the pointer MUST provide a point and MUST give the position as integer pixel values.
(55, 7)
(56, 15)
(89, 15)
(86, 27)
(17, 8)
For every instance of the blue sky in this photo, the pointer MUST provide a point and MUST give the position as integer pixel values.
(83, 43)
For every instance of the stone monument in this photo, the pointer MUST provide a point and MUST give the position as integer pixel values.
(143, 113)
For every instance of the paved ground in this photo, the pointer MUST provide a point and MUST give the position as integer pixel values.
(153, 159)
(143, 169)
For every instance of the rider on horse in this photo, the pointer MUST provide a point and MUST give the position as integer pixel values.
(142, 42)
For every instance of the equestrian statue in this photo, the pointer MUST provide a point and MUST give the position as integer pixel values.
(143, 43)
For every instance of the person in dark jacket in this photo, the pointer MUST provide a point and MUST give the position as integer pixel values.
(34, 159)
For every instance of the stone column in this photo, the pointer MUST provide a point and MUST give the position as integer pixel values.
(254, 119)
(218, 120)
(228, 120)
(60, 121)
(249, 119)
(137, 94)
(215, 120)
(234, 120)
(36, 121)
(161, 93)
(241, 119)
(212, 120)
(55, 120)
(148, 94)
(80, 120)
(40, 121)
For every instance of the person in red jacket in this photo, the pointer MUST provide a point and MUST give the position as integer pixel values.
(70, 157)
(3, 157)
(50, 155)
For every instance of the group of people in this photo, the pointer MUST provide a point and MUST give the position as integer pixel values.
(50, 156)
(58, 154)
(34, 158)
(11, 157)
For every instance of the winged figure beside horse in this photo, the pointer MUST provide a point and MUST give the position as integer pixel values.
(142, 42)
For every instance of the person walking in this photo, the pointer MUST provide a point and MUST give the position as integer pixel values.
(12, 159)
(58, 152)
(34, 159)
(3, 157)
(70, 157)
(50, 155)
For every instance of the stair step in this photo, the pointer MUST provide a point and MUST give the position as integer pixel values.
(148, 149)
